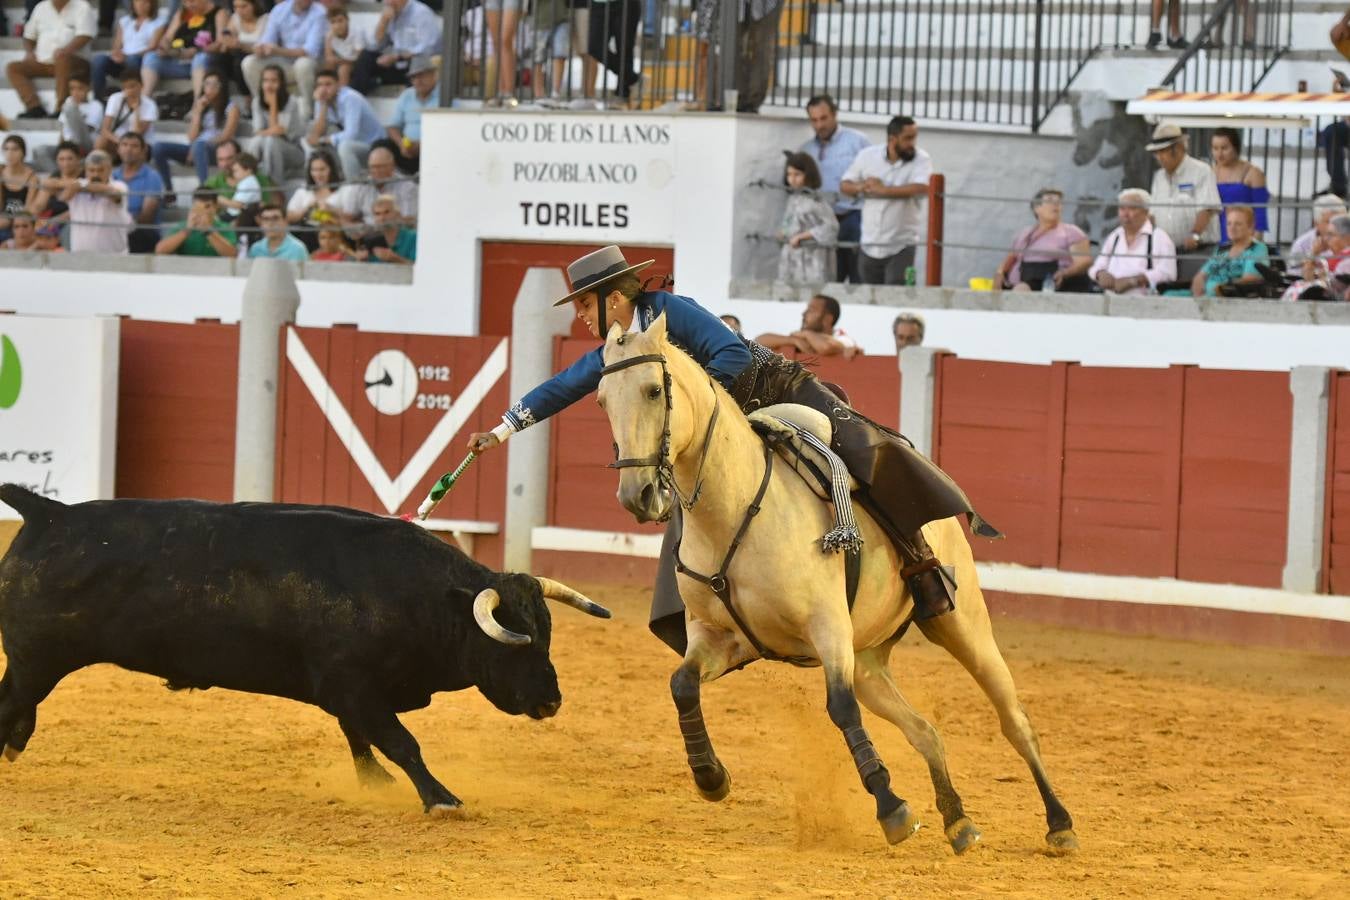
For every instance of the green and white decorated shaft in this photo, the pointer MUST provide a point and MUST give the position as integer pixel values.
(443, 486)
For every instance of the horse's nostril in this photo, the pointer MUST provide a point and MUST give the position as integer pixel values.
(648, 495)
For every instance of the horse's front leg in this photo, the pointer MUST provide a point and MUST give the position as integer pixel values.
(832, 637)
(710, 653)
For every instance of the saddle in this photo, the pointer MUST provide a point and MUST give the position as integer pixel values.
(780, 426)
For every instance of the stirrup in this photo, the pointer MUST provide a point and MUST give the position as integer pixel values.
(932, 587)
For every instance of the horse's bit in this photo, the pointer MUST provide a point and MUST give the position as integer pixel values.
(660, 460)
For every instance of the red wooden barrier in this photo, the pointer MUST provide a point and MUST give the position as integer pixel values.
(176, 398)
(1336, 568)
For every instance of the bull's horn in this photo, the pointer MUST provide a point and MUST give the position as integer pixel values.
(483, 605)
(556, 590)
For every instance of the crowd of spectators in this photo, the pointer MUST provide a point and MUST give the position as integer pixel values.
(280, 134)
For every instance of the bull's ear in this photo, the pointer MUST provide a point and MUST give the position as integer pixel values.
(657, 331)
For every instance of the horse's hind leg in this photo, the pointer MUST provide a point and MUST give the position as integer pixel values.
(878, 692)
(710, 653)
(833, 641)
(968, 636)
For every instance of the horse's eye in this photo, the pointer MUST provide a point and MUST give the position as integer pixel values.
(653, 393)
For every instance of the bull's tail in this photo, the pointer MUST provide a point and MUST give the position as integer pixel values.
(34, 508)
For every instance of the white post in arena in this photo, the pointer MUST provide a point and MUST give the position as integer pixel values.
(1307, 478)
(918, 372)
(270, 301)
(534, 323)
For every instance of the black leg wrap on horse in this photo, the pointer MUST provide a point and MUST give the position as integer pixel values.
(870, 768)
(696, 742)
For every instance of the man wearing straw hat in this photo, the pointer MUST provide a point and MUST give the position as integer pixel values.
(902, 488)
(1185, 200)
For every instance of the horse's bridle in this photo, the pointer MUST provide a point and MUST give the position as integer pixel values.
(660, 460)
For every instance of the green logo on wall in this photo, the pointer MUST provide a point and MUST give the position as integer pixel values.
(11, 373)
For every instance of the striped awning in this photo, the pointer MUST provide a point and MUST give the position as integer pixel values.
(1182, 104)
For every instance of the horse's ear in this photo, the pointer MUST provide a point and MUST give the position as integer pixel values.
(657, 331)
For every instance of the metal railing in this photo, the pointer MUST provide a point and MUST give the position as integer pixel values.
(1234, 47)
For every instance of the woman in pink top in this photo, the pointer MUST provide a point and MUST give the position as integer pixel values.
(1050, 249)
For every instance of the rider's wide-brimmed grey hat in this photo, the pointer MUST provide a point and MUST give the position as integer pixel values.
(593, 269)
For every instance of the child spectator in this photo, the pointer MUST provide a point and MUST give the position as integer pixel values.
(203, 234)
(391, 241)
(332, 245)
(275, 242)
(344, 44)
(80, 117)
(244, 204)
(130, 109)
(809, 227)
(135, 36)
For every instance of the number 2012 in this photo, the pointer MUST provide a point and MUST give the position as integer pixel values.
(433, 401)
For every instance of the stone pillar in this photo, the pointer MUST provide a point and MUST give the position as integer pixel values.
(270, 301)
(1307, 478)
(534, 324)
(918, 372)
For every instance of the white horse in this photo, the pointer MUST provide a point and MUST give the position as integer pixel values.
(678, 430)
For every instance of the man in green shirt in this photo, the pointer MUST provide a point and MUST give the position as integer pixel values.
(220, 183)
(203, 234)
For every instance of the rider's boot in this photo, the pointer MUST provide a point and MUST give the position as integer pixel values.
(933, 590)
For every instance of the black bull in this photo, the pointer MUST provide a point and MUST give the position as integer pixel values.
(362, 616)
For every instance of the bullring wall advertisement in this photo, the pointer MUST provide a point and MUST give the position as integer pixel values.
(58, 406)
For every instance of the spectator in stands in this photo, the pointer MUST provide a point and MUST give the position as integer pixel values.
(392, 241)
(344, 44)
(1313, 243)
(238, 39)
(892, 179)
(405, 128)
(809, 228)
(732, 322)
(344, 120)
(99, 220)
(1334, 139)
(18, 181)
(1238, 181)
(213, 119)
(1187, 199)
(81, 115)
(185, 46)
(1051, 248)
(130, 109)
(293, 39)
(23, 233)
(47, 205)
(503, 17)
(552, 47)
(323, 201)
(135, 36)
(1175, 39)
(758, 50)
(834, 148)
(278, 126)
(144, 188)
(384, 180)
(613, 34)
(1338, 264)
(1246, 14)
(1233, 265)
(1136, 257)
(222, 182)
(907, 329)
(406, 28)
(54, 41)
(245, 202)
(203, 234)
(333, 245)
(819, 334)
(276, 242)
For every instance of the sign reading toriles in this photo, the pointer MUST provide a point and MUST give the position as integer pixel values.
(563, 177)
(58, 407)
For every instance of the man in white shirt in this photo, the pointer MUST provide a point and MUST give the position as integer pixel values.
(1136, 257)
(892, 180)
(98, 210)
(819, 334)
(54, 40)
(128, 110)
(1186, 199)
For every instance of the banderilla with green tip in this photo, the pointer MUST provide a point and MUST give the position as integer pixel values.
(443, 486)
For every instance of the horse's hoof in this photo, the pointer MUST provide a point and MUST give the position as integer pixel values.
(717, 791)
(446, 811)
(900, 824)
(1061, 843)
(963, 835)
(11, 754)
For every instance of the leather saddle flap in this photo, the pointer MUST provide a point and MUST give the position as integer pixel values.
(770, 423)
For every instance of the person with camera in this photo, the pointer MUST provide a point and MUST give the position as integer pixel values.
(390, 241)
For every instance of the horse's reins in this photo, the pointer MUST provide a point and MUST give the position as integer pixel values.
(660, 460)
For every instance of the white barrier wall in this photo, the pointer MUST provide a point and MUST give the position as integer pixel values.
(58, 406)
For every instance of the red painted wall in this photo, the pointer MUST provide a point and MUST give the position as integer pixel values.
(176, 398)
(1336, 569)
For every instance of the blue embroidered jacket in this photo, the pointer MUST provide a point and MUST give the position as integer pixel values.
(695, 330)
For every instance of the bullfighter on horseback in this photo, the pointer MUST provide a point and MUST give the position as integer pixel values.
(902, 488)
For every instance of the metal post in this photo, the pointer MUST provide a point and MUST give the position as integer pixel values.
(270, 301)
(937, 198)
(1036, 53)
(452, 49)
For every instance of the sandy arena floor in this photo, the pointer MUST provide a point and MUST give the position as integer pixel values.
(1190, 770)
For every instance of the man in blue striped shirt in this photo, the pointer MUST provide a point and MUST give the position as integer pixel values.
(834, 148)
